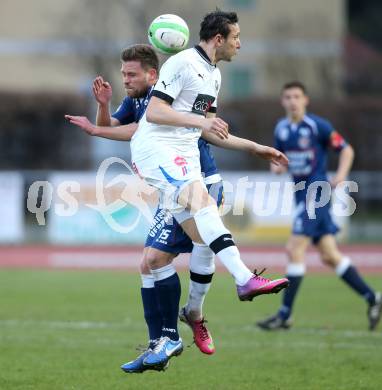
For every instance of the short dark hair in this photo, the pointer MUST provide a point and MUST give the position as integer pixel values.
(217, 22)
(295, 84)
(145, 54)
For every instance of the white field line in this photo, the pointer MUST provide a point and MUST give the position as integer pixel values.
(66, 324)
(251, 258)
(128, 323)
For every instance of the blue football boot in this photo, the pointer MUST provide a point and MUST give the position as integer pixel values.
(165, 349)
(137, 366)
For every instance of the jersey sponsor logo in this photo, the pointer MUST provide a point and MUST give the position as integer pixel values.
(202, 104)
(301, 162)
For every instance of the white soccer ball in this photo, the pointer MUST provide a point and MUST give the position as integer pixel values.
(168, 33)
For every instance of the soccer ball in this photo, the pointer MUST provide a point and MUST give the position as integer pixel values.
(168, 33)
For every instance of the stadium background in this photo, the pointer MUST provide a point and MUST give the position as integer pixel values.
(50, 52)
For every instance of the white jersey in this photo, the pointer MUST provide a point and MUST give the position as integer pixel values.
(190, 83)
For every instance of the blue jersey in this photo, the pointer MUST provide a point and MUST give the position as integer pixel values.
(132, 109)
(306, 145)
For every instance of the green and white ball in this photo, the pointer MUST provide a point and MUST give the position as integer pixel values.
(169, 34)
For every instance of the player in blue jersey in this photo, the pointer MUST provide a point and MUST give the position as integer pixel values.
(166, 239)
(306, 140)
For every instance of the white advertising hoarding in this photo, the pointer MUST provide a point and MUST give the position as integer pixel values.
(11, 207)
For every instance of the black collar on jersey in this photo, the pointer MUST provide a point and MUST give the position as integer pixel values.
(203, 54)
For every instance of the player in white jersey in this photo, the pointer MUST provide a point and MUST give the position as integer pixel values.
(194, 81)
(165, 154)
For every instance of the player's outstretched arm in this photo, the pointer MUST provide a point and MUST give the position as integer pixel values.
(103, 92)
(236, 143)
(117, 133)
(160, 112)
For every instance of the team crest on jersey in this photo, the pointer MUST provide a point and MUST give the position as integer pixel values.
(202, 104)
(284, 134)
(304, 142)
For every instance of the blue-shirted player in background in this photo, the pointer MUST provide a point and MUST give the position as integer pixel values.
(306, 139)
(166, 239)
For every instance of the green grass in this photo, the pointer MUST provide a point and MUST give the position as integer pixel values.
(72, 330)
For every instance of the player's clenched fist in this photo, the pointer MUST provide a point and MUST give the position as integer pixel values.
(102, 90)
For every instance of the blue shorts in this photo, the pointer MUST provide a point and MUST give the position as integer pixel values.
(315, 228)
(167, 235)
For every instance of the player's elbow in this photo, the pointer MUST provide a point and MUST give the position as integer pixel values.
(350, 151)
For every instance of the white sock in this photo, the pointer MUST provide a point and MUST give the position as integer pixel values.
(295, 269)
(163, 272)
(202, 264)
(211, 228)
(343, 266)
(147, 281)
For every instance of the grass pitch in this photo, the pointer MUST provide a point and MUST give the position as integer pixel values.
(73, 329)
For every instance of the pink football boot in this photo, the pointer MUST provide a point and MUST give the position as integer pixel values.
(202, 336)
(258, 285)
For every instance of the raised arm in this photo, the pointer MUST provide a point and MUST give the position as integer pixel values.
(103, 92)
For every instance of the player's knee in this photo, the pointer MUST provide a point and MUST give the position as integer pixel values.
(156, 260)
(291, 250)
(202, 260)
(329, 259)
(203, 269)
(144, 267)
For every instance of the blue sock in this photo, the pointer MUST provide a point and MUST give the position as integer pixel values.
(168, 290)
(352, 278)
(295, 274)
(152, 314)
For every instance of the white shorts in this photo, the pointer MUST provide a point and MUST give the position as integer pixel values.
(170, 173)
